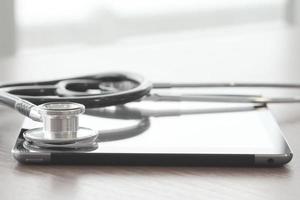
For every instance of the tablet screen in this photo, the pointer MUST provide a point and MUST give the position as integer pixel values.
(192, 128)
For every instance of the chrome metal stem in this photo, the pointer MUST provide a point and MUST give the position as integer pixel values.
(60, 119)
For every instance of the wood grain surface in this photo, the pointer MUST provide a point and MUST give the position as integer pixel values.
(256, 55)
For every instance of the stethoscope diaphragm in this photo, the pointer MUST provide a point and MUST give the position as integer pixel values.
(37, 135)
(78, 146)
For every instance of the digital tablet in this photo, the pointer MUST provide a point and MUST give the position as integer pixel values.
(169, 134)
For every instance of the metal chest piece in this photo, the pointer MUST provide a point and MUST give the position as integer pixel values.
(60, 126)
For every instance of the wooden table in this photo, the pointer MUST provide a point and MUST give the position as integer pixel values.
(244, 54)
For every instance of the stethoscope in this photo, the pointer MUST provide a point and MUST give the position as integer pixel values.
(58, 104)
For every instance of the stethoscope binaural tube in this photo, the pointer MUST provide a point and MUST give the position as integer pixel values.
(73, 90)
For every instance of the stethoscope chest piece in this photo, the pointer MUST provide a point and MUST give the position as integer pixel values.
(60, 125)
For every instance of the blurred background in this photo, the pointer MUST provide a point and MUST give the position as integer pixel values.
(184, 40)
